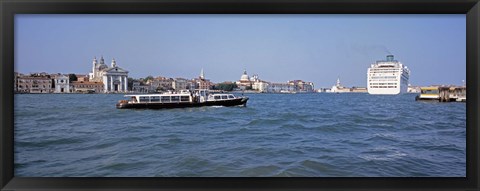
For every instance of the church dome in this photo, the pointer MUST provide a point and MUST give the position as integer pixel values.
(102, 66)
(245, 76)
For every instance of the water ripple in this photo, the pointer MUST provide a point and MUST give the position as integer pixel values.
(276, 135)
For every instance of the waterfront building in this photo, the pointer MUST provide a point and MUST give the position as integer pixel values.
(179, 84)
(301, 86)
(260, 86)
(202, 83)
(160, 84)
(114, 78)
(338, 88)
(387, 77)
(61, 83)
(34, 84)
(87, 87)
(139, 87)
(359, 90)
(244, 83)
(255, 83)
(191, 84)
(82, 77)
(280, 88)
(309, 87)
(413, 89)
(254, 78)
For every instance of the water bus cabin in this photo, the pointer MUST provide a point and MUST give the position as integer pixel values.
(197, 98)
(443, 93)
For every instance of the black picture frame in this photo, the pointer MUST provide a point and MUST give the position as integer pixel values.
(9, 8)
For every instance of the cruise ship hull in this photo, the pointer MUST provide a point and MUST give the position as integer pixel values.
(388, 91)
(385, 91)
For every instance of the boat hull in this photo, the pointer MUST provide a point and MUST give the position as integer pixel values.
(420, 98)
(227, 103)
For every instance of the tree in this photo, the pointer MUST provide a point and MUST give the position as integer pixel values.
(129, 83)
(225, 86)
(148, 78)
(72, 77)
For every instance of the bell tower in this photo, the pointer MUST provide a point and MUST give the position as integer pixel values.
(94, 65)
(114, 64)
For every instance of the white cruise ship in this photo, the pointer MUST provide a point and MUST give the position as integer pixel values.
(387, 77)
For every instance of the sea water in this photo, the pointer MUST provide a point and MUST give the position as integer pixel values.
(304, 135)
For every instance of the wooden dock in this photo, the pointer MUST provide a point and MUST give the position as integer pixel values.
(453, 93)
(443, 93)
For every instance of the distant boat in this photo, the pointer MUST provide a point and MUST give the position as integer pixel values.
(197, 98)
(288, 92)
(387, 77)
(428, 93)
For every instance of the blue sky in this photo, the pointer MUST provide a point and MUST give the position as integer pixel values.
(315, 48)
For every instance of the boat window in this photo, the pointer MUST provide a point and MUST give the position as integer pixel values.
(155, 98)
(217, 97)
(184, 98)
(175, 98)
(429, 91)
(230, 96)
(224, 96)
(144, 99)
(165, 98)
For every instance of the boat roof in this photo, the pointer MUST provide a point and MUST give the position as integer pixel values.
(180, 94)
(429, 88)
(442, 87)
(221, 94)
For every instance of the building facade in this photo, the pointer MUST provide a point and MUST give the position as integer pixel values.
(202, 83)
(160, 84)
(82, 77)
(359, 90)
(280, 88)
(245, 83)
(114, 78)
(256, 84)
(34, 84)
(260, 86)
(338, 88)
(413, 89)
(180, 84)
(138, 87)
(87, 87)
(301, 86)
(62, 84)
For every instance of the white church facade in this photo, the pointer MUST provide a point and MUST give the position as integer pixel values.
(114, 78)
(62, 84)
